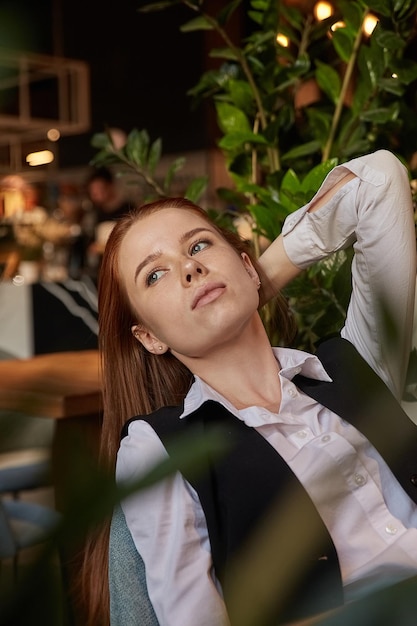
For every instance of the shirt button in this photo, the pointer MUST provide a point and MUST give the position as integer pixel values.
(292, 393)
(390, 529)
(325, 438)
(359, 479)
(302, 434)
(413, 479)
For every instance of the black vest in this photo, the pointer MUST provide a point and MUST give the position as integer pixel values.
(252, 472)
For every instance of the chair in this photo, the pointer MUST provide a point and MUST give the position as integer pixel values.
(25, 450)
(24, 525)
(129, 600)
(24, 470)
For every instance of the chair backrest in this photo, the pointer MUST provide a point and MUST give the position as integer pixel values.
(8, 547)
(129, 600)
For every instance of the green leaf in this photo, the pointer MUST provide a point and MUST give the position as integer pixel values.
(328, 80)
(231, 141)
(154, 155)
(232, 119)
(223, 53)
(319, 123)
(101, 140)
(388, 39)
(381, 6)
(290, 187)
(405, 69)
(227, 11)
(175, 166)
(300, 151)
(352, 13)
(391, 85)
(343, 44)
(241, 95)
(382, 115)
(196, 188)
(312, 181)
(371, 64)
(156, 6)
(137, 146)
(198, 23)
(268, 222)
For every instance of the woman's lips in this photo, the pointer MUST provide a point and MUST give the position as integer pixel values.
(206, 294)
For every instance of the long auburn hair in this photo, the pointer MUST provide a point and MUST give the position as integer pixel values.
(134, 381)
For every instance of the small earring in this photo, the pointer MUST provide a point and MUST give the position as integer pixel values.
(259, 284)
(160, 348)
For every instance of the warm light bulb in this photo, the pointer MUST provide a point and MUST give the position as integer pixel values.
(283, 40)
(369, 24)
(40, 158)
(337, 25)
(53, 134)
(323, 10)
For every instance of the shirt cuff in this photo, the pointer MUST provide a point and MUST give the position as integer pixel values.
(310, 237)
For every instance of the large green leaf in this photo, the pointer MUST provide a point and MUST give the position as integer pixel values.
(232, 119)
(343, 43)
(328, 80)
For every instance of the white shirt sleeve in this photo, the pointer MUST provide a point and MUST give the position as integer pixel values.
(170, 532)
(373, 212)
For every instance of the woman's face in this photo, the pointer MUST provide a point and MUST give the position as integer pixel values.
(191, 290)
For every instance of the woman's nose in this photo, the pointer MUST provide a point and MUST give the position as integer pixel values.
(188, 277)
(191, 269)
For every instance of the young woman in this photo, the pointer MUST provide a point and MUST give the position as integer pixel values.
(183, 346)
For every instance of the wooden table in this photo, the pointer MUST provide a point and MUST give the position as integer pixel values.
(61, 385)
(65, 387)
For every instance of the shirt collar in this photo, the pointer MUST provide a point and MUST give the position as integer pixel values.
(292, 362)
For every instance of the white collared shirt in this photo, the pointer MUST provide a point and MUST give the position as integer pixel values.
(370, 518)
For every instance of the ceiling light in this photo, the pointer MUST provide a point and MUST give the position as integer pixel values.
(40, 158)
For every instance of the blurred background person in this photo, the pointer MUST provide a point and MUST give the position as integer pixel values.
(108, 203)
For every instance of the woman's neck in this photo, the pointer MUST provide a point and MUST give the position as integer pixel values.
(244, 371)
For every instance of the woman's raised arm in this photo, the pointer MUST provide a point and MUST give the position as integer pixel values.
(365, 202)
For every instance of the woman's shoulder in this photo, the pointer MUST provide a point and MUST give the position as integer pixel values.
(140, 449)
(160, 418)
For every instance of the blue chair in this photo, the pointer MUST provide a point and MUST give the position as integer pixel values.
(24, 470)
(129, 600)
(24, 525)
(25, 449)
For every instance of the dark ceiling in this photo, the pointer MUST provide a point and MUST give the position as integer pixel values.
(141, 66)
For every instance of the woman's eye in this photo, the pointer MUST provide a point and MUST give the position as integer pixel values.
(153, 277)
(197, 247)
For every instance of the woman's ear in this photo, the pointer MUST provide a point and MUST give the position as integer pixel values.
(148, 340)
(250, 269)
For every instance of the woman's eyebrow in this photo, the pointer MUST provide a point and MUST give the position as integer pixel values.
(193, 232)
(148, 259)
(155, 255)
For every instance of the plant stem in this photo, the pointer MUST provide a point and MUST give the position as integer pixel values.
(346, 80)
(273, 158)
